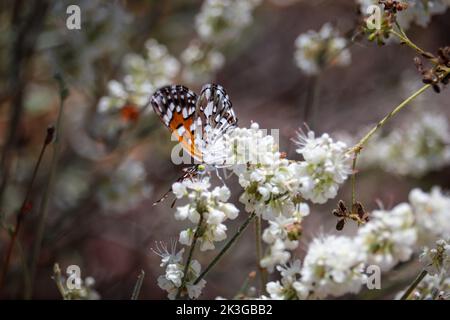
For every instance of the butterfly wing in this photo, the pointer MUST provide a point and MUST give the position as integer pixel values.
(215, 110)
(176, 107)
(215, 116)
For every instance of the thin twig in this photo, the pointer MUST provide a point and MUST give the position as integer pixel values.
(26, 206)
(311, 101)
(138, 286)
(190, 255)
(58, 280)
(244, 288)
(225, 248)
(414, 285)
(357, 147)
(43, 209)
(258, 241)
(355, 157)
(26, 31)
(405, 40)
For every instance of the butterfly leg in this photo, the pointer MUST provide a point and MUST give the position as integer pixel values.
(187, 173)
(165, 195)
(219, 176)
(227, 173)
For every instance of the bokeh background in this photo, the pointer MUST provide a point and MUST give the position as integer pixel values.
(113, 166)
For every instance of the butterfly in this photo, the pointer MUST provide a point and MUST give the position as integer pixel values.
(197, 122)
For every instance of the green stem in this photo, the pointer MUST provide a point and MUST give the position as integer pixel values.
(405, 40)
(225, 248)
(402, 36)
(414, 285)
(190, 255)
(138, 286)
(311, 101)
(355, 157)
(258, 240)
(244, 288)
(357, 148)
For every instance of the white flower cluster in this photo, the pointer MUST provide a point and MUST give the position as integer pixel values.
(273, 188)
(285, 288)
(436, 284)
(333, 266)
(218, 23)
(418, 11)
(420, 147)
(390, 236)
(437, 259)
(431, 287)
(85, 291)
(282, 235)
(143, 75)
(91, 45)
(172, 280)
(269, 182)
(199, 62)
(432, 214)
(274, 185)
(221, 21)
(212, 206)
(317, 50)
(326, 165)
(125, 188)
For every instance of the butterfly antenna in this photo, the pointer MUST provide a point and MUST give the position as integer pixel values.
(163, 197)
(180, 179)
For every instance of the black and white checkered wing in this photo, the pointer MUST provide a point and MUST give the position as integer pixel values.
(215, 110)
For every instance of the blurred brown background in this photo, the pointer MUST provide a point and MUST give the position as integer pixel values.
(264, 85)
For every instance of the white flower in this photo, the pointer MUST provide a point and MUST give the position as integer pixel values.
(221, 21)
(85, 291)
(318, 50)
(432, 214)
(229, 209)
(332, 266)
(326, 166)
(211, 205)
(275, 290)
(194, 291)
(284, 289)
(172, 280)
(142, 76)
(418, 11)
(174, 273)
(421, 146)
(430, 288)
(179, 190)
(182, 212)
(389, 237)
(278, 255)
(125, 188)
(199, 62)
(282, 236)
(168, 255)
(271, 183)
(437, 259)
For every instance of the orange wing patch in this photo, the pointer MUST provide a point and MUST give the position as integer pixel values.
(187, 136)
